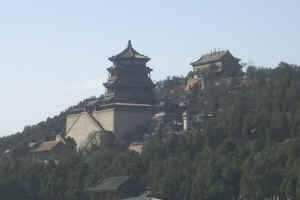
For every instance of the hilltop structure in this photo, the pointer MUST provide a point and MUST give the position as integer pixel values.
(129, 80)
(223, 60)
(217, 62)
(128, 101)
(211, 70)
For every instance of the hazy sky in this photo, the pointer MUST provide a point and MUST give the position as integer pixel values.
(54, 53)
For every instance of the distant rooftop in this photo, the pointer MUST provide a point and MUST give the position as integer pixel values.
(109, 184)
(49, 145)
(212, 57)
(46, 146)
(129, 52)
(142, 197)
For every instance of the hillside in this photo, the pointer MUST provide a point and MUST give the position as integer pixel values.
(243, 143)
(16, 145)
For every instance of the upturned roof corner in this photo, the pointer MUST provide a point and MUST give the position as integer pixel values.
(128, 53)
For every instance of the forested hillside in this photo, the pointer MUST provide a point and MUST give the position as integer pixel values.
(243, 143)
(16, 145)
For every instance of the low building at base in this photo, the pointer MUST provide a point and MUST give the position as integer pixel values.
(115, 188)
(49, 150)
(143, 197)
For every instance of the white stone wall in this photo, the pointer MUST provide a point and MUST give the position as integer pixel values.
(118, 120)
(71, 120)
(105, 118)
(79, 126)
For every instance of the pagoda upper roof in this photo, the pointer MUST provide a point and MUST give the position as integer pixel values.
(212, 57)
(128, 53)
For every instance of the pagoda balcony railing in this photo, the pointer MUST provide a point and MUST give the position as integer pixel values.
(112, 78)
(135, 83)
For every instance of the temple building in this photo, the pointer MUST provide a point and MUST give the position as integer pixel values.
(115, 188)
(129, 80)
(221, 63)
(224, 61)
(128, 101)
(109, 189)
(215, 69)
(49, 150)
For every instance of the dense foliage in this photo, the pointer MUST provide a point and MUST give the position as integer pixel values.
(243, 143)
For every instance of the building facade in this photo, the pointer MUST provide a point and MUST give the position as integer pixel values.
(49, 150)
(222, 61)
(116, 188)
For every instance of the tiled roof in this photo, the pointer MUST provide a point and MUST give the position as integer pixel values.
(211, 57)
(109, 184)
(142, 197)
(129, 52)
(46, 146)
(137, 147)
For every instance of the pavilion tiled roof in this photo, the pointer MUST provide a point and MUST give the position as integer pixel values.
(129, 52)
(142, 197)
(137, 147)
(109, 184)
(212, 57)
(46, 146)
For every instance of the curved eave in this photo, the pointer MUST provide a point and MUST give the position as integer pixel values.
(194, 64)
(117, 58)
(129, 53)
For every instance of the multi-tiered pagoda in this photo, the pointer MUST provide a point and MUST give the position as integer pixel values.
(128, 104)
(129, 80)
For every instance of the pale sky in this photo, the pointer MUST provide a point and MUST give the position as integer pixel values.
(54, 53)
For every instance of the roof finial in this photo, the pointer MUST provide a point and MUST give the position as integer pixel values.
(129, 44)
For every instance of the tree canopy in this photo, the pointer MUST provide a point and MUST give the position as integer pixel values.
(246, 146)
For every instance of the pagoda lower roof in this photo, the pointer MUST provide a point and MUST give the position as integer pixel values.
(144, 107)
(129, 83)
